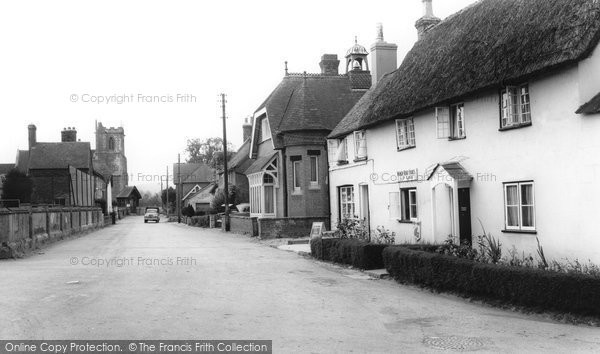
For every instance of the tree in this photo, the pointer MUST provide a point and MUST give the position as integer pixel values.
(17, 185)
(218, 202)
(208, 151)
(151, 199)
(172, 198)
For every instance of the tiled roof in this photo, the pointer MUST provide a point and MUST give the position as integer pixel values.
(309, 102)
(259, 164)
(485, 46)
(128, 192)
(592, 107)
(22, 161)
(193, 173)
(60, 155)
(241, 160)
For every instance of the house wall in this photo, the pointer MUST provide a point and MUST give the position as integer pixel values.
(309, 201)
(558, 152)
(589, 77)
(49, 185)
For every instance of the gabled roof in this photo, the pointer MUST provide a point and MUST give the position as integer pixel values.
(129, 192)
(6, 167)
(209, 189)
(486, 45)
(592, 107)
(193, 173)
(241, 160)
(309, 102)
(60, 155)
(260, 163)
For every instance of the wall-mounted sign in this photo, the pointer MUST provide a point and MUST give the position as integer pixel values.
(317, 229)
(408, 175)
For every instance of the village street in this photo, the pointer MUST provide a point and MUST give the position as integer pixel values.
(236, 288)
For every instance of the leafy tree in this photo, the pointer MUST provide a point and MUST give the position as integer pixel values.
(208, 151)
(218, 202)
(17, 185)
(151, 199)
(172, 198)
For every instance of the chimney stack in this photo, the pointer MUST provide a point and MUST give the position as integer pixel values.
(384, 56)
(329, 64)
(32, 135)
(247, 129)
(428, 20)
(69, 135)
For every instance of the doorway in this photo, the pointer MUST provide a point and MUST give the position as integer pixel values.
(464, 216)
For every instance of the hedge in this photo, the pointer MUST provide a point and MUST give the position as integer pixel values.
(535, 288)
(357, 253)
(199, 221)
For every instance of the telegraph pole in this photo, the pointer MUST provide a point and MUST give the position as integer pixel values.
(167, 192)
(225, 170)
(179, 188)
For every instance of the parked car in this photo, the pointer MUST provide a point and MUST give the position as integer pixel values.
(152, 214)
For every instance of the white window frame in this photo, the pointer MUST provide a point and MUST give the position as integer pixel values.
(442, 117)
(405, 134)
(344, 191)
(342, 151)
(297, 183)
(408, 200)
(360, 137)
(332, 147)
(314, 162)
(515, 106)
(520, 206)
(265, 130)
(451, 125)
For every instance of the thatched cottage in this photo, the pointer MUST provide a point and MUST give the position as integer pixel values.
(492, 117)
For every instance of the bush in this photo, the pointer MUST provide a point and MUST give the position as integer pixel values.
(188, 211)
(576, 293)
(200, 221)
(357, 253)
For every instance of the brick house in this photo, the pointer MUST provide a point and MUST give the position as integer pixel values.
(288, 175)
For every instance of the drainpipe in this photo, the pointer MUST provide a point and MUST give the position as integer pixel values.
(284, 182)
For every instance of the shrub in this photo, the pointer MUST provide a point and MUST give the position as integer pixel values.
(353, 228)
(188, 211)
(529, 287)
(384, 236)
(200, 221)
(357, 253)
(461, 251)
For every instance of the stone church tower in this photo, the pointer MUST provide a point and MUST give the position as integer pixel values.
(109, 157)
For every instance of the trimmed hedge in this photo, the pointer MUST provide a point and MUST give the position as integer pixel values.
(199, 221)
(535, 288)
(357, 253)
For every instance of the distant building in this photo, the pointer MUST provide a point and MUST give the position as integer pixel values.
(201, 199)
(129, 198)
(193, 177)
(109, 157)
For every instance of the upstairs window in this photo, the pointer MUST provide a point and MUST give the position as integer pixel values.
(360, 145)
(265, 130)
(341, 156)
(332, 149)
(451, 122)
(515, 107)
(405, 134)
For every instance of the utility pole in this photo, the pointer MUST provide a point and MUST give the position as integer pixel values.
(225, 170)
(167, 189)
(179, 188)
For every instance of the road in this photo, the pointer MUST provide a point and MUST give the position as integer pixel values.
(236, 288)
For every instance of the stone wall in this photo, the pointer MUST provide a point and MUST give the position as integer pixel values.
(244, 225)
(22, 230)
(287, 227)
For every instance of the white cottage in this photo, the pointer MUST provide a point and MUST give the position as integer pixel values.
(492, 119)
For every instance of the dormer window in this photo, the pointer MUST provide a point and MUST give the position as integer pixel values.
(515, 107)
(265, 129)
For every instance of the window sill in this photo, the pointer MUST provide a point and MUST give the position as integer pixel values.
(360, 159)
(528, 232)
(406, 148)
(516, 126)
(454, 139)
(314, 188)
(342, 163)
(407, 221)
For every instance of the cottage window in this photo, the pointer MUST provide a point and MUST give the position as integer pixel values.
(332, 149)
(314, 171)
(360, 145)
(265, 129)
(515, 106)
(451, 122)
(409, 204)
(347, 208)
(269, 194)
(296, 175)
(342, 151)
(405, 133)
(519, 206)
(394, 207)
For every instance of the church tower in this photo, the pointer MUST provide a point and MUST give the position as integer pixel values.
(109, 157)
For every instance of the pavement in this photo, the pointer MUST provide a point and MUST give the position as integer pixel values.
(170, 281)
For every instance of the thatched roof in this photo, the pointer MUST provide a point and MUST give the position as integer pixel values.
(591, 107)
(484, 46)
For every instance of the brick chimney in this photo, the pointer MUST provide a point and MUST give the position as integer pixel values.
(384, 57)
(329, 64)
(69, 135)
(32, 135)
(428, 20)
(247, 129)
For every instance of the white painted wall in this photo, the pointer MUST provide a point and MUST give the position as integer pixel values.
(560, 152)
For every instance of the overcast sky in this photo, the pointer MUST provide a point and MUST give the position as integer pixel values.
(57, 52)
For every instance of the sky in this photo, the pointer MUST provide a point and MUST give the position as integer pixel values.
(157, 67)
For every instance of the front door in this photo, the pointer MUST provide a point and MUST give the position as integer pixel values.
(464, 215)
